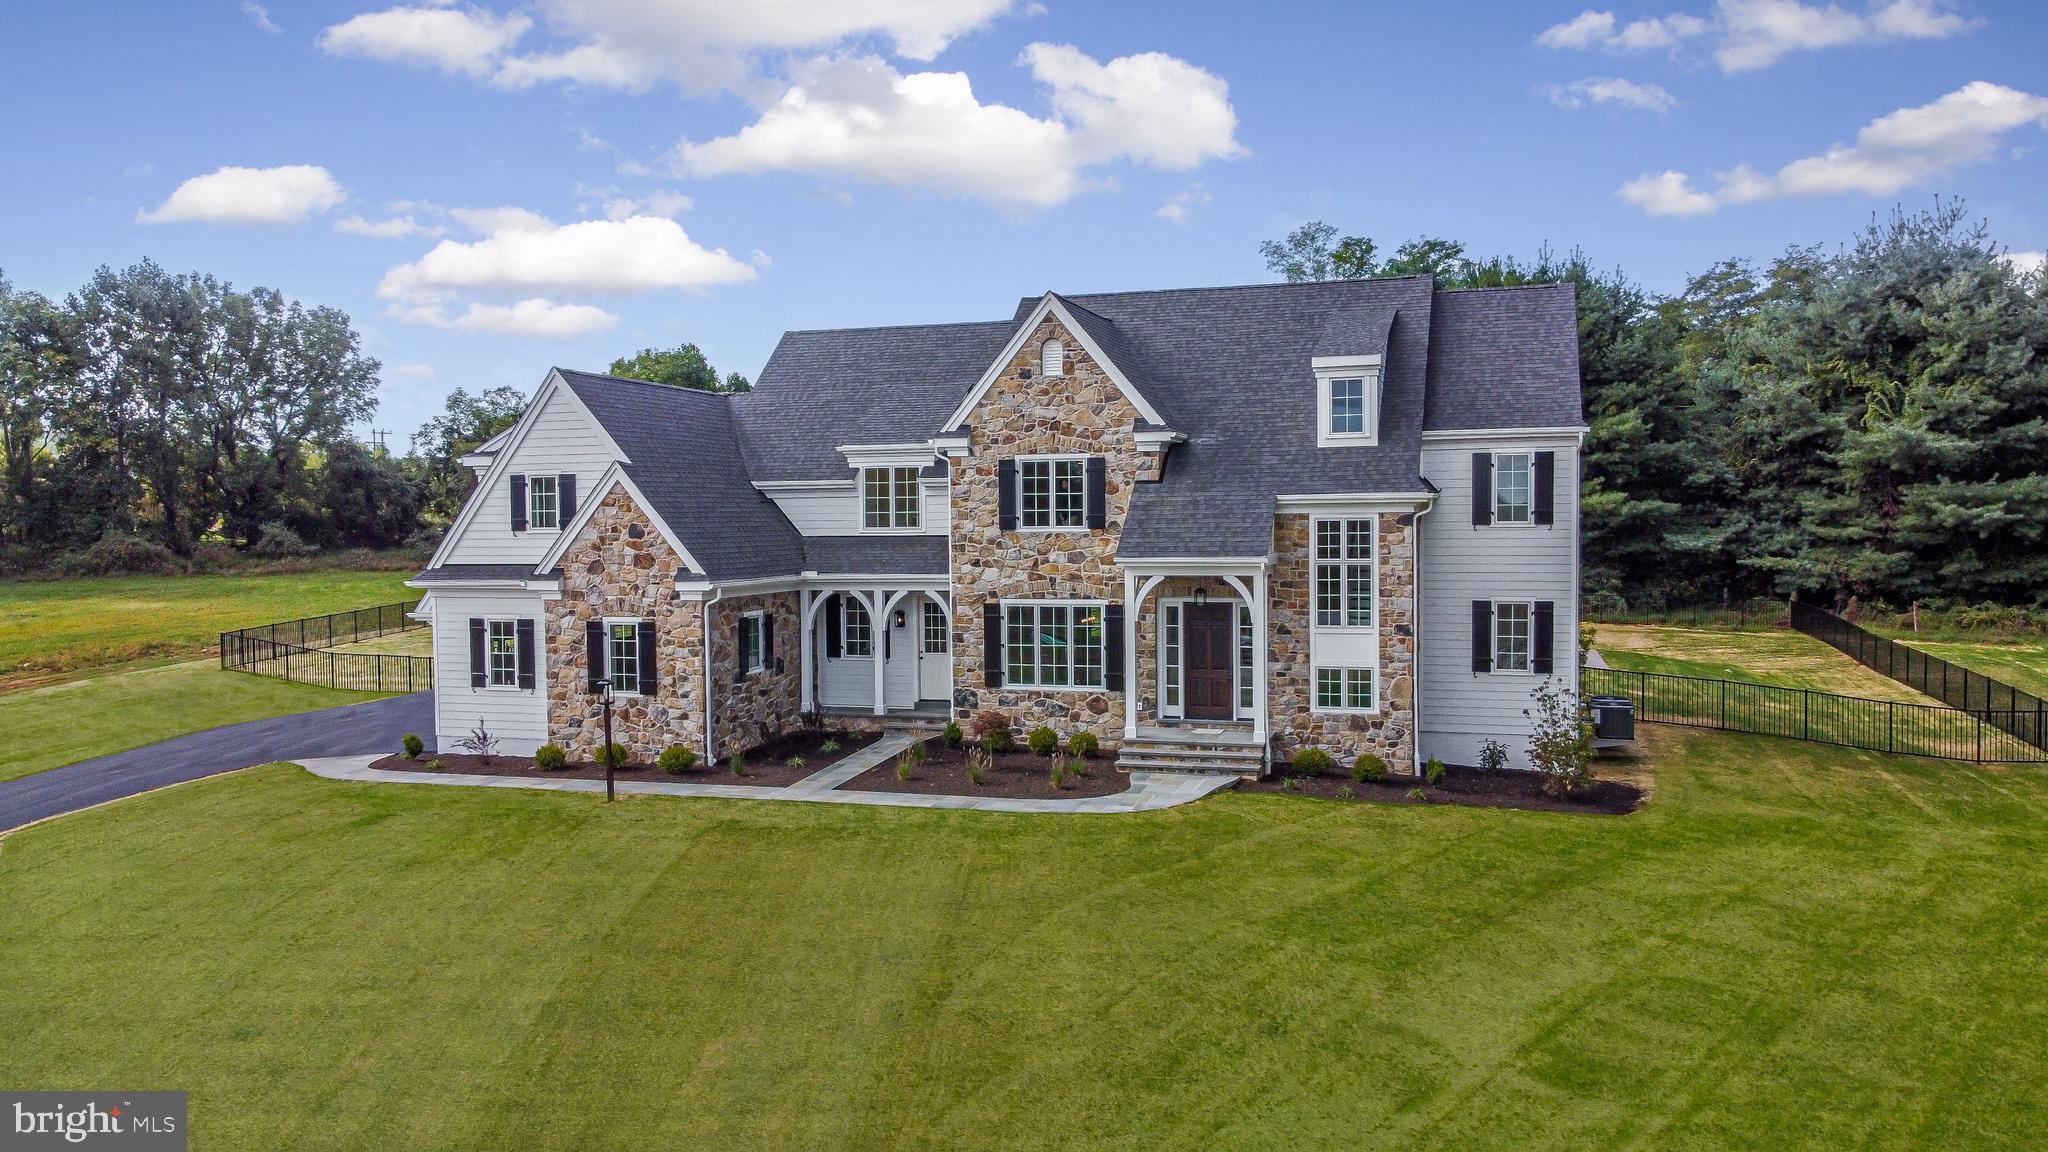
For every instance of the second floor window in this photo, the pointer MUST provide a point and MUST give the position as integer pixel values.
(889, 498)
(542, 508)
(1511, 488)
(1054, 493)
(1344, 573)
(1347, 406)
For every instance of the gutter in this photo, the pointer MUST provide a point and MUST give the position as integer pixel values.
(710, 745)
(1415, 642)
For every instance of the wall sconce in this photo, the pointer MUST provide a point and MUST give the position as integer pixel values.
(1201, 597)
(900, 618)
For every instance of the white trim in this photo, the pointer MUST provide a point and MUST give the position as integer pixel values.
(548, 588)
(599, 493)
(1154, 439)
(1528, 519)
(1361, 503)
(1049, 304)
(798, 485)
(1004, 604)
(918, 454)
(759, 616)
(1082, 459)
(1238, 682)
(1529, 654)
(1196, 565)
(1315, 690)
(490, 672)
(639, 677)
(860, 498)
(1370, 374)
(952, 446)
(1574, 432)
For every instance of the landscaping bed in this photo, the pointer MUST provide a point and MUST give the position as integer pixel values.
(1018, 775)
(1465, 786)
(767, 766)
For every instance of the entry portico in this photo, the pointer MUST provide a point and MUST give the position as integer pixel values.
(1199, 625)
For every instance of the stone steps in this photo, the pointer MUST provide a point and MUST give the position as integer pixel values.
(1192, 755)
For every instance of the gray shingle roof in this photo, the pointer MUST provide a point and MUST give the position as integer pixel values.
(1359, 330)
(686, 460)
(876, 555)
(456, 573)
(1505, 358)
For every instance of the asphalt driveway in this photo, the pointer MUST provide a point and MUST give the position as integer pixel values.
(351, 730)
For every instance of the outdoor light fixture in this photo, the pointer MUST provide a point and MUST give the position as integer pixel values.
(900, 618)
(1201, 597)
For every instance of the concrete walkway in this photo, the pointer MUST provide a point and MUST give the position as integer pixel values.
(1148, 792)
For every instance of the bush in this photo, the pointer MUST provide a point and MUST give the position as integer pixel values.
(1603, 605)
(1433, 771)
(795, 762)
(1417, 794)
(1312, 762)
(434, 765)
(413, 745)
(1058, 775)
(903, 765)
(1561, 745)
(952, 735)
(1291, 784)
(550, 758)
(1493, 757)
(992, 728)
(1347, 793)
(1043, 741)
(1082, 745)
(736, 763)
(1369, 768)
(977, 766)
(117, 553)
(918, 752)
(213, 556)
(278, 540)
(612, 755)
(676, 760)
(828, 747)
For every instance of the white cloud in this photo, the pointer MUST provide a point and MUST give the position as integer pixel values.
(1750, 34)
(859, 117)
(386, 229)
(260, 17)
(2026, 263)
(283, 195)
(415, 371)
(460, 40)
(1896, 151)
(1181, 203)
(530, 317)
(1612, 90)
(656, 203)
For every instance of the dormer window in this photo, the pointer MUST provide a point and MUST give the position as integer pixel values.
(1052, 359)
(1347, 400)
(1347, 406)
(889, 498)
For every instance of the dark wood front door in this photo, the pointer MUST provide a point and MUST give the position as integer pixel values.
(1209, 656)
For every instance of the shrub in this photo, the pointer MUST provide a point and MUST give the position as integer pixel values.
(796, 762)
(1433, 770)
(952, 735)
(1417, 794)
(903, 765)
(1603, 605)
(977, 766)
(1561, 744)
(828, 747)
(550, 758)
(212, 556)
(992, 728)
(479, 743)
(1083, 744)
(1493, 756)
(736, 763)
(918, 752)
(413, 745)
(1312, 762)
(1347, 792)
(676, 759)
(278, 540)
(1058, 776)
(1369, 768)
(612, 756)
(1043, 741)
(119, 552)
(434, 765)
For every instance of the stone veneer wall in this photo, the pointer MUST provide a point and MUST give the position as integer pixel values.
(620, 566)
(762, 706)
(1391, 732)
(1026, 414)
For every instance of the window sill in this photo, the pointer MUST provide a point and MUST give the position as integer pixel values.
(1344, 711)
(1013, 685)
(1077, 529)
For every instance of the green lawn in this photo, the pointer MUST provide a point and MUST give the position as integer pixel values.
(1765, 655)
(2022, 665)
(1791, 947)
(61, 625)
(114, 711)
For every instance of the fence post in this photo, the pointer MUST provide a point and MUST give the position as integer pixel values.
(1806, 713)
(1891, 716)
(1724, 702)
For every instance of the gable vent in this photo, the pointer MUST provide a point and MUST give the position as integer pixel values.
(1052, 358)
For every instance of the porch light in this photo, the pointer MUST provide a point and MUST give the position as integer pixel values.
(1201, 597)
(900, 618)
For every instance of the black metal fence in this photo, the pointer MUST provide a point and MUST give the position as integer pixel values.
(1981, 735)
(302, 651)
(2021, 715)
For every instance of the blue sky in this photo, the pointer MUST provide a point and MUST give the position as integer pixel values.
(490, 189)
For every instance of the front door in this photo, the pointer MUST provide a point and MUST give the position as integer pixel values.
(1209, 660)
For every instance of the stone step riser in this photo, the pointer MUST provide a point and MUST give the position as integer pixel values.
(1194, 750)
(1232, 768)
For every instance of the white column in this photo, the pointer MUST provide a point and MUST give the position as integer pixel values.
(1130, 657)
(1260, 657)
(878, 644)
(806, 641)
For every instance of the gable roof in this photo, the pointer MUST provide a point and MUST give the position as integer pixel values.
(1505, 358)
(1111, 354)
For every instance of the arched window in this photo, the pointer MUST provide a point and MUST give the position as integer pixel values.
(1052, 359)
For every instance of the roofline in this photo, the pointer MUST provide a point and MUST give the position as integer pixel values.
(614, 476)
(1575, 430)
(1050, 303)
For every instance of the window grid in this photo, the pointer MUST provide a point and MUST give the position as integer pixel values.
(1511, 488)
(1511, 637)
(622, 650)
(753, 658)
(1244, 656)
(1344, 573)
(889, 498)
(1170, 689)
(503, 662)
(542, 509)
(1053, 646)
(1347, 406)
(1344, 689)
(935, 638)
(856, 634)
(1054, 493)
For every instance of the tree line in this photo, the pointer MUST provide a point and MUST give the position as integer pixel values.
(1867, 421)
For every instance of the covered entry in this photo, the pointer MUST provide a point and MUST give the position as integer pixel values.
(877, 650)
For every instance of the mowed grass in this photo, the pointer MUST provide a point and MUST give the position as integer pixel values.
(1791, 947)
(411, 642)
(59, 626)
(95, 715)
(1764, 655)
(2020, 664)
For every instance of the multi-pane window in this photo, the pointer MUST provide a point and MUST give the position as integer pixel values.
(1169, 661)
(1054, 493)
(1511, 637)
(1244, 656)
(1344, 573)
(622, 654)
(934, 627)
(1345, 689)
(1053, 645)
(503, 653)
(856, 633)
(1511, 488)
(753, 656)
(889, 498)
(543, 509)
(1347, 406)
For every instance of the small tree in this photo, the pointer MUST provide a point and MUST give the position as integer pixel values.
(479, 742)
(1561, 746)
(1493, 756)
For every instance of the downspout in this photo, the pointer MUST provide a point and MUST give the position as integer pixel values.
(1415, 643)
(710, 745)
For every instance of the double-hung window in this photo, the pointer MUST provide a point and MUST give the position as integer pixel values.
(1344, 573)
(753, 652)
(1344, 689)
(1511, 633)
(1347, 406)
(1511, 488)
(622, 655)
(503, 654)
(889, 498)
(1053, 645)
(543, 507)
(1053, 492)
(856, 632)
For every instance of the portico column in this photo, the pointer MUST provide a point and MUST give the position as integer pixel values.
(806, 641)
(878, 645)
(1130, 656)
(1260, 657)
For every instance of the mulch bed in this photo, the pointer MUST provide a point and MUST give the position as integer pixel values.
(767, 766)
(1017, 775)
(1467, 786)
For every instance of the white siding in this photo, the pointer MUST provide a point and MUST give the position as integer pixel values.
(836, 511)
(849, 682)
(563, 439)
(517, 717)
(1461, 563)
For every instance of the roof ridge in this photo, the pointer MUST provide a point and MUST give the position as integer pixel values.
(1298, 284)
(1511, 287)
(894, 327)
(678, 388)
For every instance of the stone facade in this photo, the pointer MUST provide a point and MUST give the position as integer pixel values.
(619, 566)
(1391, 731)
(1023, 414)
(751, 709)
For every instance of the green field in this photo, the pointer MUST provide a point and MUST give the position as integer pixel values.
(1764, 655)
(57, 626)
(2022, 665)
(1791, 947)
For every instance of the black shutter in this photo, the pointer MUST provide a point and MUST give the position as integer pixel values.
(1482, 488)
(768, 640)
(524, 630)
(1541, 626)
(478, 673)
(1006, 495)
(832, 627)
(739, 639)
(565, 492)
(519, 503)
(593, 655)
(1113, 647)
(1543, 479)
(1482, 636)
(992, 644)
(1098, 507)
(650, 676)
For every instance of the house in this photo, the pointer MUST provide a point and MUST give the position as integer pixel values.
(1212, 526)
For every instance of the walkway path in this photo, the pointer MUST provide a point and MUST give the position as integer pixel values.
(1149, 790)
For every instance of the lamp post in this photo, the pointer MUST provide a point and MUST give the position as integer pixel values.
(605, 694)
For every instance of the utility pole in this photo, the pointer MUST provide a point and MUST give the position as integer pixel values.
(606, 695)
